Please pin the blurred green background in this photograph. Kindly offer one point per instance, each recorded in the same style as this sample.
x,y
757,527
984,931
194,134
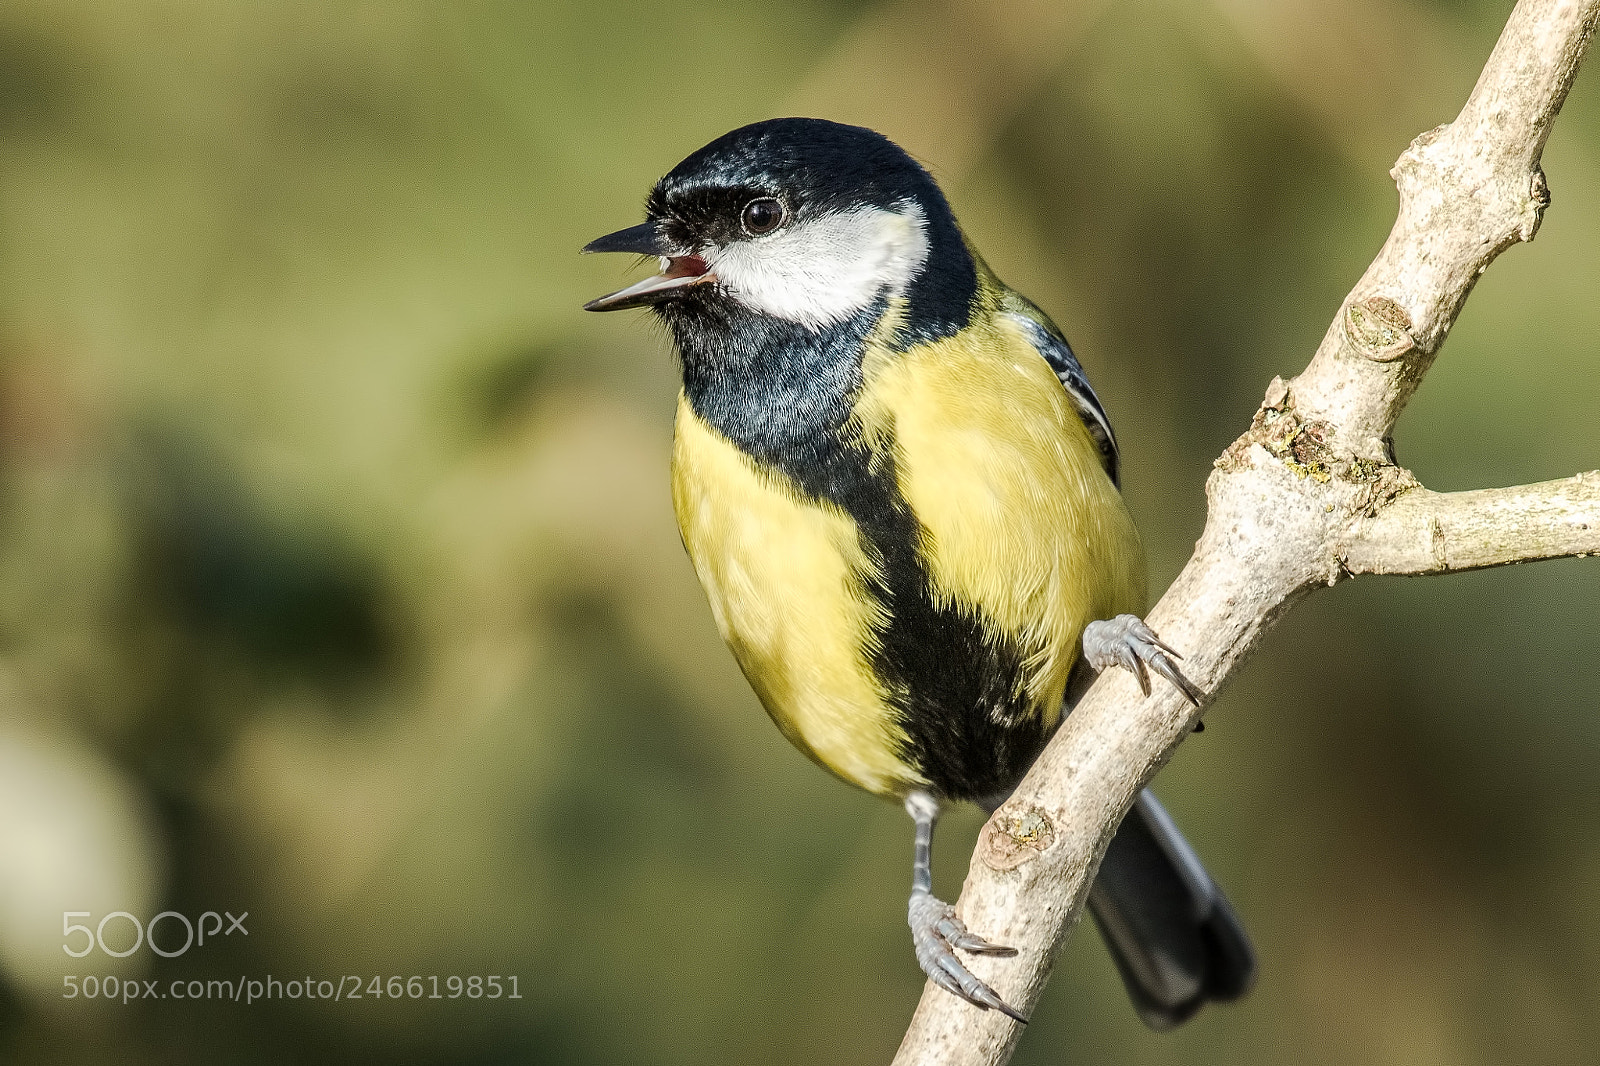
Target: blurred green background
x,y
339,584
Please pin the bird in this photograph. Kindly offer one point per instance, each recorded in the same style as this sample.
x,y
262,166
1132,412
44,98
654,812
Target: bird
x,y
902,498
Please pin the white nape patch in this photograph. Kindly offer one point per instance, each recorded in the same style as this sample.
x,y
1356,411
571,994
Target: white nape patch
x,y
823,270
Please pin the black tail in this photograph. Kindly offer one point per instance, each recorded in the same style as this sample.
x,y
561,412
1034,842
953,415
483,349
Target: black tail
x,y
1170,929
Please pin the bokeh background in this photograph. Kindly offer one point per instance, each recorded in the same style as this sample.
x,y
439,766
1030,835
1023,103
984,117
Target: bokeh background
x,y
339,584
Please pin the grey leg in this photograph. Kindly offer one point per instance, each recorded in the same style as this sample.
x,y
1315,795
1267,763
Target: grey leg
x,y
935,929
1126,641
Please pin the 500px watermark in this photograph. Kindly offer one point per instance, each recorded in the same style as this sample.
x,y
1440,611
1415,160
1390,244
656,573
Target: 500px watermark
x,y
252,989
194,932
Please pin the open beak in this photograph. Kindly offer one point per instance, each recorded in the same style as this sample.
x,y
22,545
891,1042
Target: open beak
x,y
677,271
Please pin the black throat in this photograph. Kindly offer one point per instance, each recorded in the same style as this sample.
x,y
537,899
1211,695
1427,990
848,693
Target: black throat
x,y
779,390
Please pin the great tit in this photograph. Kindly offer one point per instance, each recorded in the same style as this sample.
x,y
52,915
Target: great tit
x,y
901,496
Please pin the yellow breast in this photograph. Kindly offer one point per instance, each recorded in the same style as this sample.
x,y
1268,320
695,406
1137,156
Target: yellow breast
x,y
1019,524
784,577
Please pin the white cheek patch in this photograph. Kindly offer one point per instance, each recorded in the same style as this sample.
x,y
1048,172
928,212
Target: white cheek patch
x,y
822,271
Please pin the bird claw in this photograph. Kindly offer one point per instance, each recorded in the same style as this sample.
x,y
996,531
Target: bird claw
x,y
937,933
1127,642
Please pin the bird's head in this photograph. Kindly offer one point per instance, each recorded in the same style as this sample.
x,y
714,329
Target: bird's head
x,y
797,219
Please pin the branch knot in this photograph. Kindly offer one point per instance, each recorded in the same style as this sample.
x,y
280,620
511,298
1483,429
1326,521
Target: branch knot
x,y
1533,208
1378,328
1014,837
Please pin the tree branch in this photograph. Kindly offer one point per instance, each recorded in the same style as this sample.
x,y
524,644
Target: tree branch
x,y
1426,532
1468,191
1306,497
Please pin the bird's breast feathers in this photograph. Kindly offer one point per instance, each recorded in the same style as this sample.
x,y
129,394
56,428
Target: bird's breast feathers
x,y
1017,529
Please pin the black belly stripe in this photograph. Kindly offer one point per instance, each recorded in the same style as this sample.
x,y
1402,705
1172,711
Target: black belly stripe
x,y
957,683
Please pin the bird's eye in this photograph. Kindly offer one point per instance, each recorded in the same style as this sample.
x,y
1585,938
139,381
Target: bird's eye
x,y
762,216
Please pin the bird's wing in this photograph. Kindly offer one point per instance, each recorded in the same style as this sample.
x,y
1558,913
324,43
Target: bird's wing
x,y
1049,343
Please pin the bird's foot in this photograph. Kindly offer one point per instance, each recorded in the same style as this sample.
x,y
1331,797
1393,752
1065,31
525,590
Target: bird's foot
x,y
1126,641
937,932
